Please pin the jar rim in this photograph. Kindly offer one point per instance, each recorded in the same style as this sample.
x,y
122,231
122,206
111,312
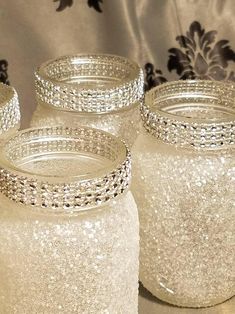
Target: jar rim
x,y
9,108
125,88
184,113
64,192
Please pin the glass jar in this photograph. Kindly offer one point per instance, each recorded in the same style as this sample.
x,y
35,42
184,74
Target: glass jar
x,y
183,183
68,224
9,111
101,91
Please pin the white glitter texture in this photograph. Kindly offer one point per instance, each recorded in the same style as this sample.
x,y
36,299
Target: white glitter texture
x,y
124,123
69,231
84,263
187,217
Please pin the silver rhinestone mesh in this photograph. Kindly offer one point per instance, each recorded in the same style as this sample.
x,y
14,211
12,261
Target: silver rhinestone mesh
x,y
184,127
9,108
125,87
63,193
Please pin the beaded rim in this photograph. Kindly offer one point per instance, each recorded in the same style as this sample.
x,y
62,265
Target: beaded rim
x,y
187,131
126,90
9,108
64,193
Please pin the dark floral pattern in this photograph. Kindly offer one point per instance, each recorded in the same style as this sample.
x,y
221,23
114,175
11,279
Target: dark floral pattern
x,y
68,3
201,56
63,4
153,77
3,72
95,4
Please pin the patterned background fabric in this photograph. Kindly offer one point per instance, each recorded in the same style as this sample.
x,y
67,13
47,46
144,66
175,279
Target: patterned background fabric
x,y
170,39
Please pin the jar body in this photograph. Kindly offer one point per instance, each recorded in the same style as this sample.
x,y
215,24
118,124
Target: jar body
x,y
187,221
83,263
124,123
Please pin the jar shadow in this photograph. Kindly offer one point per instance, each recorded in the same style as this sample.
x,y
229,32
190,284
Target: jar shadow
x,y
149,304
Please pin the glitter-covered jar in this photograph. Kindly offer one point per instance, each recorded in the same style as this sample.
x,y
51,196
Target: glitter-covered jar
x,y
184,184
9,111
101,91
68,224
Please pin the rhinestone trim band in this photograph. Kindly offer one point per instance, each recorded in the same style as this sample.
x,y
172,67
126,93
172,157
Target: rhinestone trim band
x,y
163,113
64,193
125,83
9,108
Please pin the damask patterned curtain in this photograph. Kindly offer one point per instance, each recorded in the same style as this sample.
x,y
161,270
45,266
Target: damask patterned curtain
x,y
170,39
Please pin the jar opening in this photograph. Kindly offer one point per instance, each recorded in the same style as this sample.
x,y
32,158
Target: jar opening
x,y
89,83
198,114
93,71
64,168
63,164
199,111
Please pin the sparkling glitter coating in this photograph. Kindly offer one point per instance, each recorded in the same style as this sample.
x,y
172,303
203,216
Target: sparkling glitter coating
x,y
9,110
69,244
123,123
184,183
87,263
187,222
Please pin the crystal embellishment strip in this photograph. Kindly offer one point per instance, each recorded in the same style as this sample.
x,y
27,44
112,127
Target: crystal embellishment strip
x,y
196,131
64,193
9,108
125,87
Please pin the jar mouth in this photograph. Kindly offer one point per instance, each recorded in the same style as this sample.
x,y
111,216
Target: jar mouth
x,y
89,83
193,113
61,168
9,109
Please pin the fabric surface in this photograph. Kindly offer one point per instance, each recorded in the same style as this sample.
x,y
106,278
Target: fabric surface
x,y
170,39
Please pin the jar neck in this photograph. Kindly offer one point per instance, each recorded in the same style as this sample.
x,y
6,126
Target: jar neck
x,y
90,83
53,168
9,110
196,114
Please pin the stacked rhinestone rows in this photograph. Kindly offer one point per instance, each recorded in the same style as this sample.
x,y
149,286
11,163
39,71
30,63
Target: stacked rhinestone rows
x,y
9,108
125,89
198,91
189,132
56,195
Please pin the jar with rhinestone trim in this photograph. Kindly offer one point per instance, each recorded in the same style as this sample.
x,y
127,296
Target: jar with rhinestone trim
x,y
183,183
101,91
9,112
68,223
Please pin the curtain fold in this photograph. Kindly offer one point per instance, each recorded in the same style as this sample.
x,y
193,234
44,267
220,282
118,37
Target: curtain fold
x,y
170,39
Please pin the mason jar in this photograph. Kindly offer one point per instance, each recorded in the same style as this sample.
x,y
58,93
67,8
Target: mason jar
x,y
68,223
9,111
101,91
184,183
